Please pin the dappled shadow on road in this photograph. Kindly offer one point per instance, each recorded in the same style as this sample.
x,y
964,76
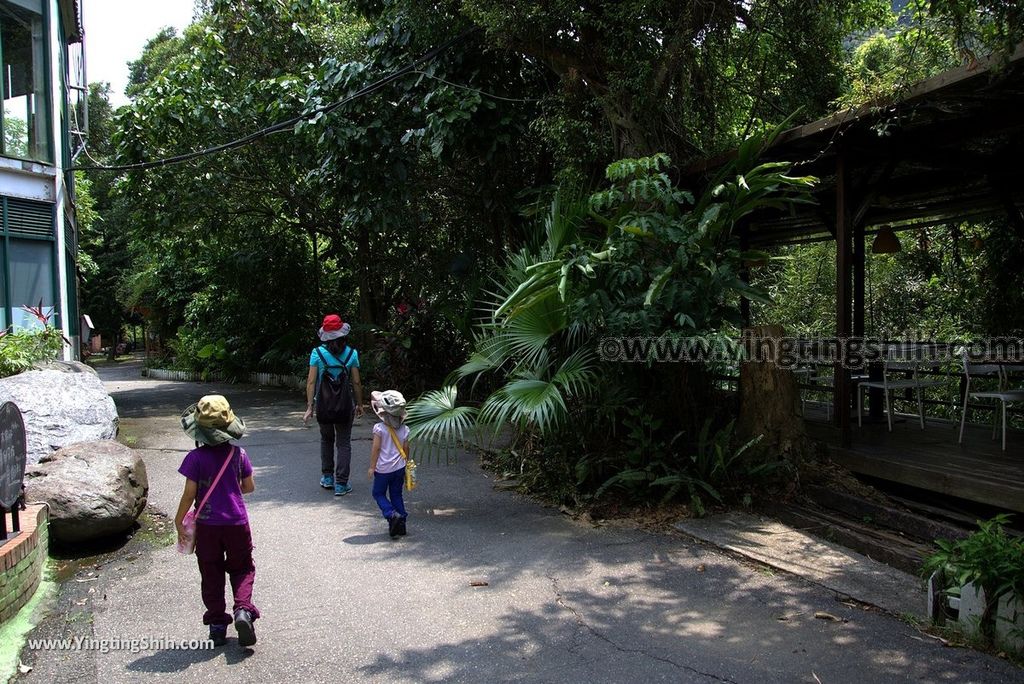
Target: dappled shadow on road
x,y
668,622
563,601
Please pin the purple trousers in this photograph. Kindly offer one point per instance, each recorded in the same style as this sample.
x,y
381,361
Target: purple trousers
x,y
225,550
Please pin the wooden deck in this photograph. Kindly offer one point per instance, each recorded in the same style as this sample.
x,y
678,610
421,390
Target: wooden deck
x,y
932,460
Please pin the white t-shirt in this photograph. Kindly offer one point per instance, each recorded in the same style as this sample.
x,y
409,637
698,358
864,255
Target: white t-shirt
x,y
390,458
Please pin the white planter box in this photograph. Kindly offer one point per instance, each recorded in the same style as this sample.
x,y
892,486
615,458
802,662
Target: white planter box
x,y
972,607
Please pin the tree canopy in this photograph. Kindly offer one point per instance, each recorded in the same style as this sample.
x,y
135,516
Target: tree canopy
x,y
420,208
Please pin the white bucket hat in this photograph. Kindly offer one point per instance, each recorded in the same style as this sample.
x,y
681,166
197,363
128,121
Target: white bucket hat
x,y
389,406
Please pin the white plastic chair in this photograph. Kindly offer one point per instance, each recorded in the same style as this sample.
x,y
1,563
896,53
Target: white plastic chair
x,y
1003,395
887,386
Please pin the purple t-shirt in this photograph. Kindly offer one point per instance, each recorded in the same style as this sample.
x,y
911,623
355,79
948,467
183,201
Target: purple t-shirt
x,y
225,506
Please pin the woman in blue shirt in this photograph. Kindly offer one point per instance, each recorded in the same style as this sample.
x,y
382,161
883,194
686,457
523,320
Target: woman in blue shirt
x,y
334,356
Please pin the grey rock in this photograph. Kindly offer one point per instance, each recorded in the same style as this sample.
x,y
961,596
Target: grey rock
x,y
65,367
60,408
93,489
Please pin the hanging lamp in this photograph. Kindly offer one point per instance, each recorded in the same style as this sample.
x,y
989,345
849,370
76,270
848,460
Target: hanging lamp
x,y
886,241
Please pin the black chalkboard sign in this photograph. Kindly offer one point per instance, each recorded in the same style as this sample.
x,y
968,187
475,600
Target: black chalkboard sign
x,y
12,454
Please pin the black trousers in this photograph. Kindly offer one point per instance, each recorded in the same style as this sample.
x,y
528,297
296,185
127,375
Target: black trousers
x,y
336,436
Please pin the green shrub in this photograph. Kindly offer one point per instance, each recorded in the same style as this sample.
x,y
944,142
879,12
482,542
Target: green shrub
x,y
699,472
20,349
990,557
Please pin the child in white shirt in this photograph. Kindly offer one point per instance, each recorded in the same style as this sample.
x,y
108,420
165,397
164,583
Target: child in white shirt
x,y
388,458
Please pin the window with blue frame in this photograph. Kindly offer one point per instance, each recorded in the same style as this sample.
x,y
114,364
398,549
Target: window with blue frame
x,y
25,117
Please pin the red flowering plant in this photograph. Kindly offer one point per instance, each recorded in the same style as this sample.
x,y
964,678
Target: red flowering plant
x,y
22,348
415,344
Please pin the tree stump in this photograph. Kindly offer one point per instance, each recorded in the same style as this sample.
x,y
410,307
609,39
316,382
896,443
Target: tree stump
x,y
770,398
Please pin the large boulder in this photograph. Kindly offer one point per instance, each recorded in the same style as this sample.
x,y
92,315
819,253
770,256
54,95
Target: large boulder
x,y
94,489
65,367
60,407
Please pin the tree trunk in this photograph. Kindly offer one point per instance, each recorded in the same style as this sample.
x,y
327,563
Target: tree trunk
x,y
770,398
367,307
115,340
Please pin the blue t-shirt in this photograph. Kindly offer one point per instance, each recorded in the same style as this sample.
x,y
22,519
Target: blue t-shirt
x,y
314,360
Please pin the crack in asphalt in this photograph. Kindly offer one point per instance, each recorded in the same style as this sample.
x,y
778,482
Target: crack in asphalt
x,y
560,600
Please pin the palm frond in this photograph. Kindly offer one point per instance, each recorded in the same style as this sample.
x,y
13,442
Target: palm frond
x,y
529,331
491,352
577,374
563,221
436,423
530,402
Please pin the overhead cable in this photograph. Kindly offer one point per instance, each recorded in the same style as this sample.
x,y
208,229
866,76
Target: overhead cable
x,y
412,67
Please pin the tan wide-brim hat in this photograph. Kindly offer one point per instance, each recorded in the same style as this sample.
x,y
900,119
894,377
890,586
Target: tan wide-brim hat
x,y
211,421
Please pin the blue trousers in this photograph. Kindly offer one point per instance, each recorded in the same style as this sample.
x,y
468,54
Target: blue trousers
x,y
387,492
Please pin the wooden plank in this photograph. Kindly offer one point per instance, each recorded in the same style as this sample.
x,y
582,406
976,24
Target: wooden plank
x,y
967,467
977,470
911,524
992,492
998,492
902,555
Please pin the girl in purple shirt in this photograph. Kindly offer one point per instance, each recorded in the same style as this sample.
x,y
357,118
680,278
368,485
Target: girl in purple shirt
x,y
223,539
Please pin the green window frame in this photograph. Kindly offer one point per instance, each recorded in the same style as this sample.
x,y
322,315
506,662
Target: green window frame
x,y
71,275
26,225
36,142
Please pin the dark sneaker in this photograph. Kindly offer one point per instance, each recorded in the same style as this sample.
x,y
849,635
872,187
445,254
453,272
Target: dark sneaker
x,y
400,527
244,627
326,481
341,489
219,634
393,522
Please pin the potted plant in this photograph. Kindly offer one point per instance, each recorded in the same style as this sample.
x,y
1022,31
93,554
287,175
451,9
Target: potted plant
x,y
982,578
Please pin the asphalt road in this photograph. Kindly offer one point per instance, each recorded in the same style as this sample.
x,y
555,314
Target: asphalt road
x,y
564,601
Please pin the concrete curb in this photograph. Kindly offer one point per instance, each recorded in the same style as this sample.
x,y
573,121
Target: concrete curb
x,y
826,564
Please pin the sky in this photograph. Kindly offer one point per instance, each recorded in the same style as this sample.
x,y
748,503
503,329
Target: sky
x,y
117,30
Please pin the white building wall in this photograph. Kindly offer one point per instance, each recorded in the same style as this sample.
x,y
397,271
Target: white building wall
x,y
47,183
61,191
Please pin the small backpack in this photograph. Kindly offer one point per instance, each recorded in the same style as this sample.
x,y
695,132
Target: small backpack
x,y
334,402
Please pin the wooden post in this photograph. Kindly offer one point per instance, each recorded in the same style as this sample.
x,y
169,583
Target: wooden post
x,y
844,316
859,263
859,259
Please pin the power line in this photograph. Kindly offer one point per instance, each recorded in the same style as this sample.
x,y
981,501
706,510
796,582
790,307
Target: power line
x,y
477,90
283,125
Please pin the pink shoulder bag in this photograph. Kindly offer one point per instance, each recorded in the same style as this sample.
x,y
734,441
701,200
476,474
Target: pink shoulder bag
x,y
187,543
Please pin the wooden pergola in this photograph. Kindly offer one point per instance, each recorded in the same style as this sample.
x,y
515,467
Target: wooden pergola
x,y
948,150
